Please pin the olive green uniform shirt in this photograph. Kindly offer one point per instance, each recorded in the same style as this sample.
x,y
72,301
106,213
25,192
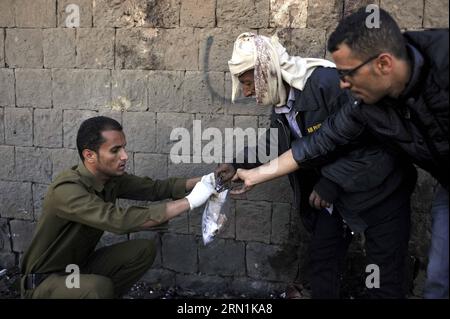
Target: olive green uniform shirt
x,y
78,208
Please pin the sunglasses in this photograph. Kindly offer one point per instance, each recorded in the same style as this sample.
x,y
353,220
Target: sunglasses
x,y
351,72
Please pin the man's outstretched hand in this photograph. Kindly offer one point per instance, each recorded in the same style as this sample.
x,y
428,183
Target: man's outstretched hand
x,y
242,176
225,172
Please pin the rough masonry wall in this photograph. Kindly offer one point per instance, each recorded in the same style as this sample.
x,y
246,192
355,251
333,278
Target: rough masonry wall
x,y
154,65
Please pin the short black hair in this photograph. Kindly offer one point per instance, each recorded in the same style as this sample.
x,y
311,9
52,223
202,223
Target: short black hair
x,y
89,134
366,42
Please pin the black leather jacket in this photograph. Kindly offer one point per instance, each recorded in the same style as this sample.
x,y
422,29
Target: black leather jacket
x,y
357,177
415,124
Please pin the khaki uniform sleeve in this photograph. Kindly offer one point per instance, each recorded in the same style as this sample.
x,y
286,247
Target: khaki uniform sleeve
x,y
144,188
74,202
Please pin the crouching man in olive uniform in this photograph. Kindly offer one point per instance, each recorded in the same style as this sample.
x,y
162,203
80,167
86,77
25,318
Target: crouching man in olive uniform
x,y
80,205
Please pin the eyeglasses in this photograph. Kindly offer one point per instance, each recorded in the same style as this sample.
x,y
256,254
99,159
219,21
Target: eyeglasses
x,y
351,72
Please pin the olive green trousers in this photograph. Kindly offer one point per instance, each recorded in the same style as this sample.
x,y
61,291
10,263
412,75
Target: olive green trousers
x,y
109,272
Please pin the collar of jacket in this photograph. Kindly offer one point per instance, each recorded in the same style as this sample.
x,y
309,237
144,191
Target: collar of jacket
x,y
302,105
89,179
416,61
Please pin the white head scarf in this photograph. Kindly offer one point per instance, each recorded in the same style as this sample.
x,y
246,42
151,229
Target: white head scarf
x,y
272,65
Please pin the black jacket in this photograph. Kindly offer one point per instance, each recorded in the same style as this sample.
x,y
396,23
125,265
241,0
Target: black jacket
x,y
354,179
415,124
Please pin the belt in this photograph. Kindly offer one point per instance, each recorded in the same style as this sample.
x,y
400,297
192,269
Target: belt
x,y
32,281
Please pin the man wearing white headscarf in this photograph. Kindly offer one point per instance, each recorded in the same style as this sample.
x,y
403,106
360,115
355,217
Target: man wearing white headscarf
x,y
272,66
363,189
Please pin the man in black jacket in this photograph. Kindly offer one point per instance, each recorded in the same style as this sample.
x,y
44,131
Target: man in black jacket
x,y
401,86
367,187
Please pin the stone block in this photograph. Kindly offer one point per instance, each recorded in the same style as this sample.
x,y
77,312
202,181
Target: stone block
x,y
22,232
137,13
179,253
165,91
129,90
65,18
7,16
245,13
151,165
140,131
203,92
324,14
62,159
242,105
156,49
23,48
5,236
253,221
19,126
179,224
436,14
306,43
191,168
278,190
119,14
216,47
407,14
351,6
7,260
71,123
16,200
198,13
48,128
62,39
222,257
159,278
33,164
163,13
166,123
95,48
35,13
7,169
7,94
81,89
288,14
207,286
267,262
281,213
34,88
39,192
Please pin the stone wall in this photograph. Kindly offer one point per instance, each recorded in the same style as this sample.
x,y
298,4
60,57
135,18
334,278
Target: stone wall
x,y
154,65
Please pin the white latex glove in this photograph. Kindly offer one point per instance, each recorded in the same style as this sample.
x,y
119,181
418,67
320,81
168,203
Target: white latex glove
x,y
209,180
199,194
